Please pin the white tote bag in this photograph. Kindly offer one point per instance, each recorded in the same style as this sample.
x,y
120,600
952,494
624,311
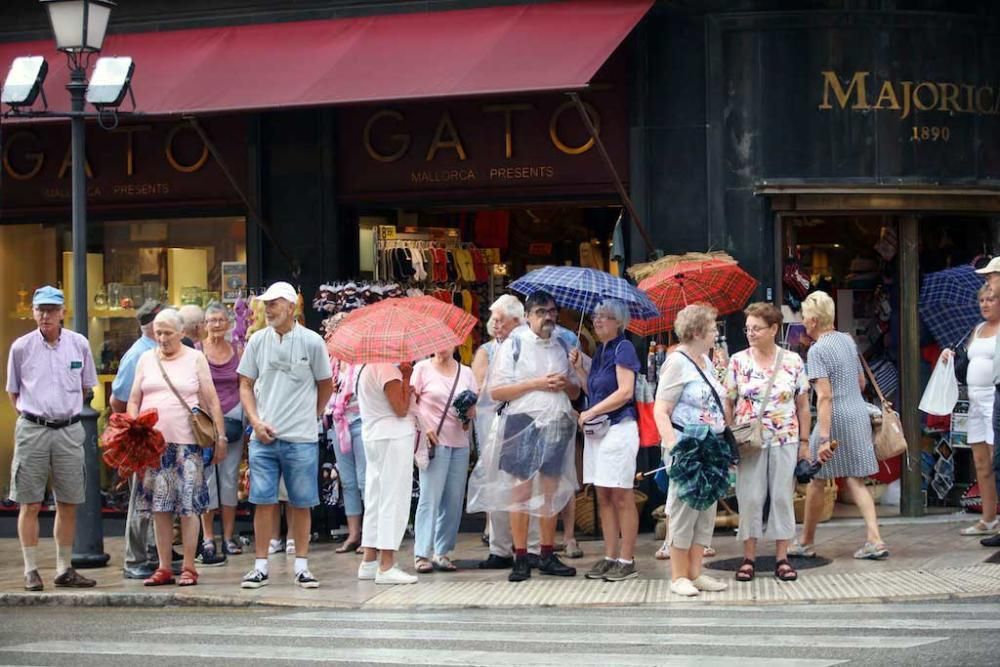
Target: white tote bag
x,y
941,393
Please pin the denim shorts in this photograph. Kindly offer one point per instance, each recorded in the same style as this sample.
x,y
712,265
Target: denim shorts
x,y
528,448
296,462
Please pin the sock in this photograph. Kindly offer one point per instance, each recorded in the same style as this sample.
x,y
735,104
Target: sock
x,y
625,562
260,564
301,564
29,558
64,556
520,553
610,560
548,550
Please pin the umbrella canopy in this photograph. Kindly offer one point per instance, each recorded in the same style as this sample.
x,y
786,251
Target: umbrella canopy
x,y
392,332
456,319
948,303
582,289
700,467
720,283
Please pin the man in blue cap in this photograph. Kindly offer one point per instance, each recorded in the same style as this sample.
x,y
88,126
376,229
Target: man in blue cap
x,y
48,372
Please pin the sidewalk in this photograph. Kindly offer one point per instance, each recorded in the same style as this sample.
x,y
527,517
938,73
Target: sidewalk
x,y
929,560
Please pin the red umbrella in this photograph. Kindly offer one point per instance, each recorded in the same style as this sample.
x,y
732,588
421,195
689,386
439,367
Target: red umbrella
x,y
459,321
720,283
390,332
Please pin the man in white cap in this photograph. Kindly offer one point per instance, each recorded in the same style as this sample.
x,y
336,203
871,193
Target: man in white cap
x,y
992,273
285,384
48,372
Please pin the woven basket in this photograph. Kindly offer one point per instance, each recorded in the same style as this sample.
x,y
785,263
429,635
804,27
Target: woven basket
x,y
829,498
588,520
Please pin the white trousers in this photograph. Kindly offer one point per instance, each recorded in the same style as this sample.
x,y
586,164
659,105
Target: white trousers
x,y
388,488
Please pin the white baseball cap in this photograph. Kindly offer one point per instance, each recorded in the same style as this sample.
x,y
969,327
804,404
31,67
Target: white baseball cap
x,y
279,290
992,267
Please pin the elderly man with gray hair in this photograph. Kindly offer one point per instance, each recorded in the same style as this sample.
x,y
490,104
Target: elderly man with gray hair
x,y
193,318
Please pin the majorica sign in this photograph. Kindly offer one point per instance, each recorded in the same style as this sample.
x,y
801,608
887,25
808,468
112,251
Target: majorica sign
x,y
864,92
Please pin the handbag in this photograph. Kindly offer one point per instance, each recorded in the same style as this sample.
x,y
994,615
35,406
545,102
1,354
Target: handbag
x,y
424,443
202,425
727,433
887,435
751,434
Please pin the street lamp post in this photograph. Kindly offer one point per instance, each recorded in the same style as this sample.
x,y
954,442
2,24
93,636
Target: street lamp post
x,y
79,27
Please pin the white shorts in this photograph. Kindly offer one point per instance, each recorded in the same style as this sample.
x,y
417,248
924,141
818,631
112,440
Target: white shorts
x,y
980,415
610,461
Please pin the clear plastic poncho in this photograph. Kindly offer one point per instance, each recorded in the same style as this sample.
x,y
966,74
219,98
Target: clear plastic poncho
x,y
527,457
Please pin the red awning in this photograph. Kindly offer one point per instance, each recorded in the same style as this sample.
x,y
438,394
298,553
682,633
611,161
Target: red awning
x,y
537,47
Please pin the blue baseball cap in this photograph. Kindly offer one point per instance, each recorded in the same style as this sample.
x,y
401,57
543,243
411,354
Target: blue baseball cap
x,y
48,295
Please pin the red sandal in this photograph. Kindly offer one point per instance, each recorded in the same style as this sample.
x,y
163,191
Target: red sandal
x,y
746,571
162,577
189,577
784,571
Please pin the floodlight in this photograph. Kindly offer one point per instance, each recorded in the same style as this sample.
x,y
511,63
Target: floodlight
x,y
24,81
110,81
79,25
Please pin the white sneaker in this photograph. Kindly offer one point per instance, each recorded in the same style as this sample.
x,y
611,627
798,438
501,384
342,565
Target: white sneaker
x,y
275,546
290,547
367,570
683,586
394,576
707,583
983,528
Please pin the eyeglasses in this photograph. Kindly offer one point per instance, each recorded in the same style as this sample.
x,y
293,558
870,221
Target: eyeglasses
x,y
603,317
542,312
215,321
754,330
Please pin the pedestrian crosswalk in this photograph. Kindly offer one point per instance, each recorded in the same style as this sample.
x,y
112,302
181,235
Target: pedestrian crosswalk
x,y
671,635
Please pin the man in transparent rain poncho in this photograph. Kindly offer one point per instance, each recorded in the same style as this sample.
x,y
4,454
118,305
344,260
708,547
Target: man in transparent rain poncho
x,y
528,468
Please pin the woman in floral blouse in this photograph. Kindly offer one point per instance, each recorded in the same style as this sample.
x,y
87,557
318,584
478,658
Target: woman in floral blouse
x,y
785,435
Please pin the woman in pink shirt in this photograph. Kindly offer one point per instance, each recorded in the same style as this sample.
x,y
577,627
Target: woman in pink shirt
x,y
178,485
436,382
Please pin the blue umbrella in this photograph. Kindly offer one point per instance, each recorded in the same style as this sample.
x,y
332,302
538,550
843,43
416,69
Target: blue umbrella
x,y
581,289
948,303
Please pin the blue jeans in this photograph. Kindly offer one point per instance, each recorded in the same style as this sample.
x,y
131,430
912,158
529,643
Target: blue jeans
x,y
439,511
351,467
296,462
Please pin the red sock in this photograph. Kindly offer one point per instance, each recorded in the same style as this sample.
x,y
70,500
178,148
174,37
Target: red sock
x,y
548,550
520,553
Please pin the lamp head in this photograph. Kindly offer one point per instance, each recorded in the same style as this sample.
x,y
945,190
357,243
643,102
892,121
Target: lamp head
x,y
79,26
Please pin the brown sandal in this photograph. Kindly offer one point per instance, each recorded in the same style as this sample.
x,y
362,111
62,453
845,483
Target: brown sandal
x,y
784,571
348,547
746,571
189,577
423,566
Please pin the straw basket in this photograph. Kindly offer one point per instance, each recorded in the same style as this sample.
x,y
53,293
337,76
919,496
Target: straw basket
x,y
829,498
726,516
588,520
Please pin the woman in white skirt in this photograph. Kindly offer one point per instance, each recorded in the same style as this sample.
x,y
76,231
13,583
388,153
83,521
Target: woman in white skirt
x,y
611,438
388,434
980,347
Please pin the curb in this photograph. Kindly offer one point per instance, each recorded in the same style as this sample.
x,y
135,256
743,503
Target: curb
x,y
146,600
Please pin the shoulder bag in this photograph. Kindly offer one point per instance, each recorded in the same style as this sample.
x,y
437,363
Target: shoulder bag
x,y
727,434
202,425
423,442
887,434
751,434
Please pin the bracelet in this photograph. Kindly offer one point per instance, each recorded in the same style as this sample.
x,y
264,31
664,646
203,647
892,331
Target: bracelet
x,y
806,440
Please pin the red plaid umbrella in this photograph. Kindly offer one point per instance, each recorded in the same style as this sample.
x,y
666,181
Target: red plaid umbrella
x,y
718,282
390,332
459,321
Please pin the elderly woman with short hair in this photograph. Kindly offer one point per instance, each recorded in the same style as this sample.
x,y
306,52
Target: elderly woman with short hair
x,y
689,394
613,442
841,414
764,376
177,487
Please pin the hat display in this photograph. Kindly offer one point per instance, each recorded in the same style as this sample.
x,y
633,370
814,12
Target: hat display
x,y
992,267
48,295
279,290
148,311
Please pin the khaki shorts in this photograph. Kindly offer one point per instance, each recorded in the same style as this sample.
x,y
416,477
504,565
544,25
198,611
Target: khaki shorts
x,y
39,450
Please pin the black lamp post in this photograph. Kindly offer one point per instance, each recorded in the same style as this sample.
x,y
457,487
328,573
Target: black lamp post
x,y
79,27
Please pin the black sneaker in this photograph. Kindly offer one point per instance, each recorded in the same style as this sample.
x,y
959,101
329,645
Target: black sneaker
x,y
304,579
495,562
992,541
254,579
534,560
551,565
209,557
521,570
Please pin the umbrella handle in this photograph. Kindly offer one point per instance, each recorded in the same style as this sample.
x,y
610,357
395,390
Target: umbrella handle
x,y
639,476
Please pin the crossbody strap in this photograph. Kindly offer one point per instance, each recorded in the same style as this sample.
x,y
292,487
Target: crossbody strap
x,y
451,394
770,385
871,376
170,384
705,378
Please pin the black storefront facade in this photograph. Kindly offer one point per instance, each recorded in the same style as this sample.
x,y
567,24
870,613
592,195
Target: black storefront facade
x,y
754,131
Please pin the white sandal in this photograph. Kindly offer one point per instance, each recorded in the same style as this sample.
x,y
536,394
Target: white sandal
x,y
982,528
